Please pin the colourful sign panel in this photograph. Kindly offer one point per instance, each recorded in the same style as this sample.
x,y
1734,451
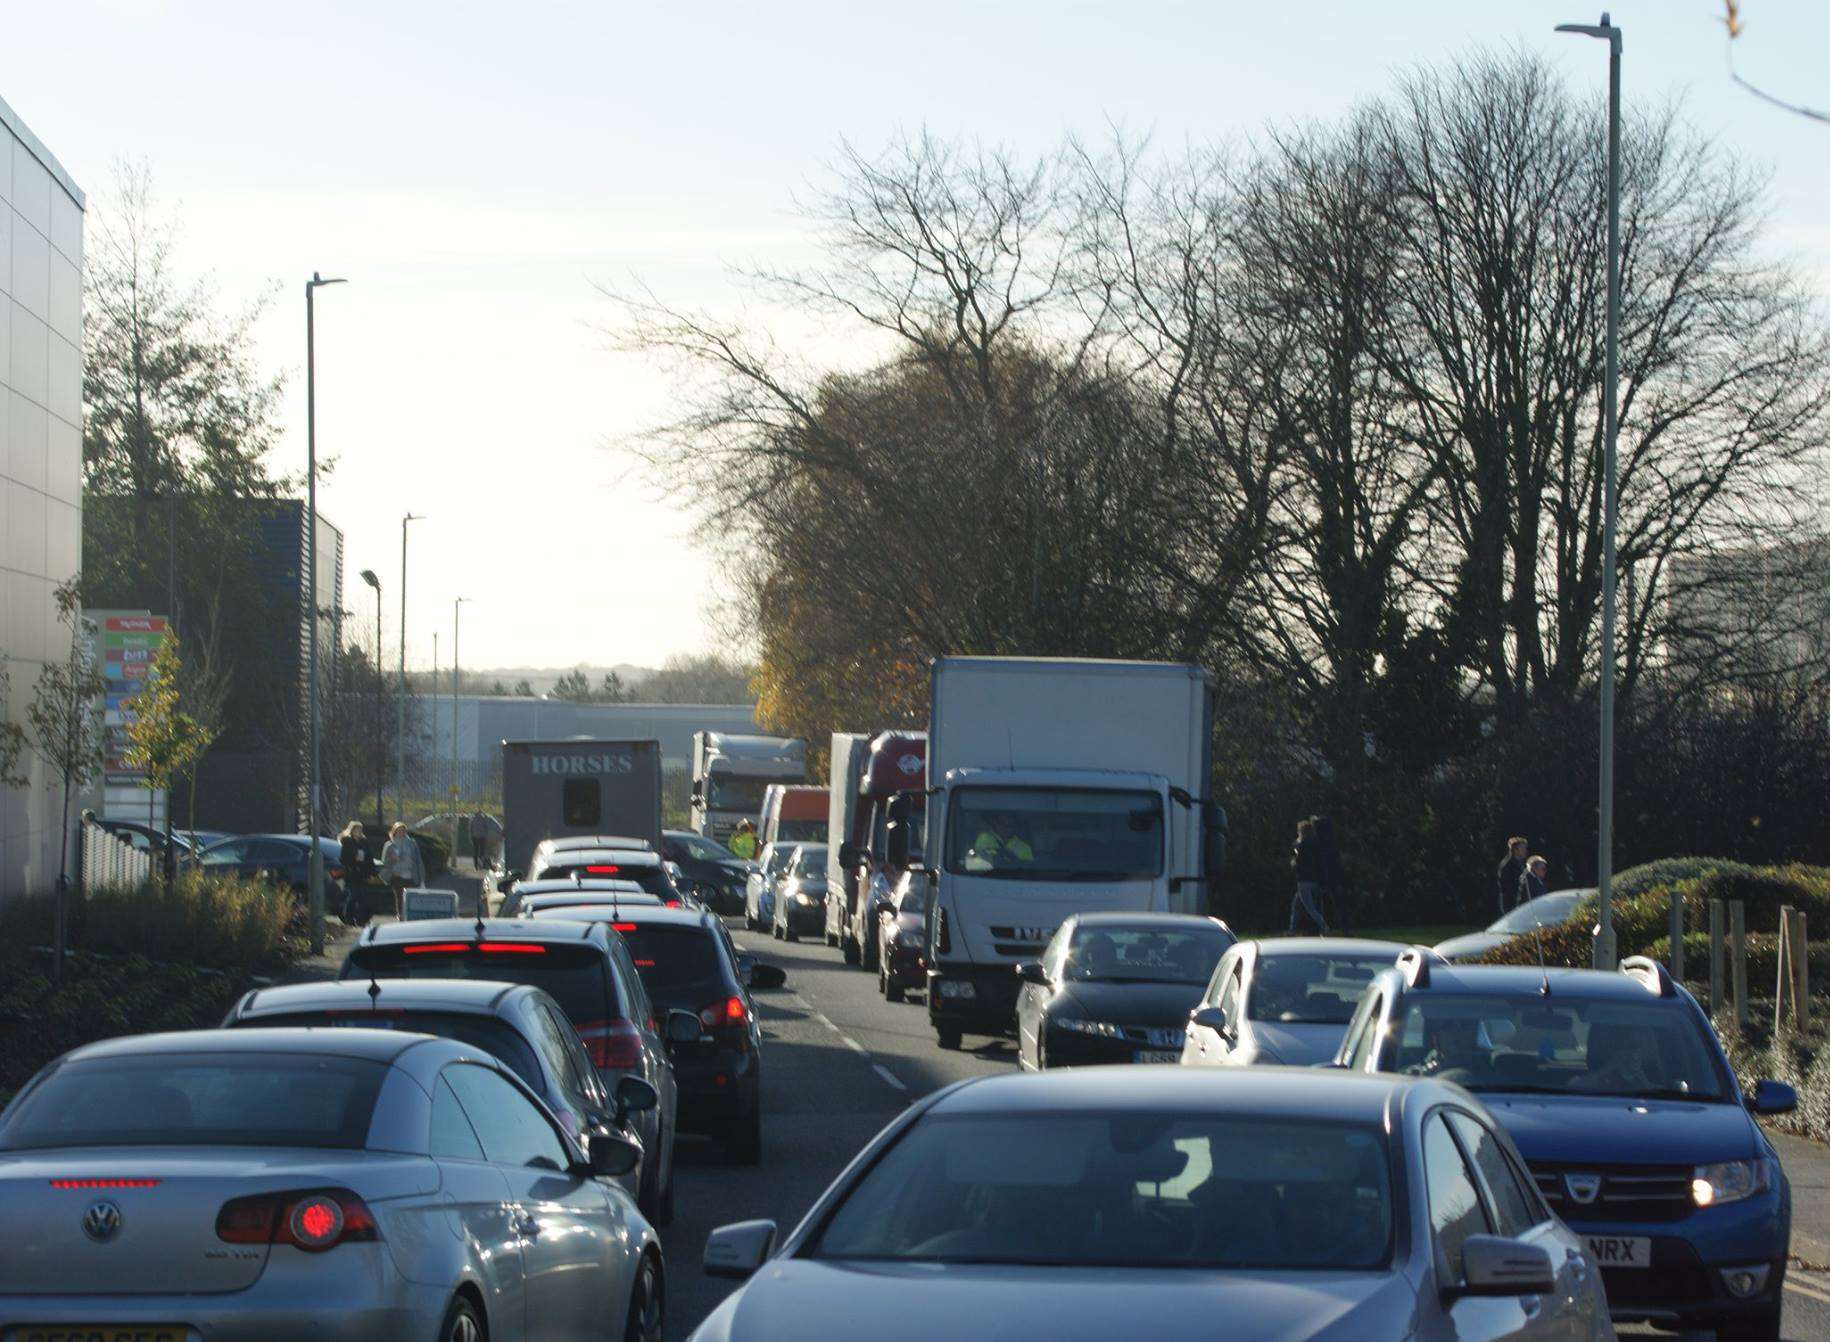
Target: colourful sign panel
x,y
126,645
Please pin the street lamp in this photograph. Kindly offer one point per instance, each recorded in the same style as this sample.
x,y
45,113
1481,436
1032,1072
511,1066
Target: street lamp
x,y
1605,948
315,859
456,610
368,576
400,725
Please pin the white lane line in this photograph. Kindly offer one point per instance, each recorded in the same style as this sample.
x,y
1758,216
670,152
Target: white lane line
x,y
854,1045
1812,1292
823,1021
888,1076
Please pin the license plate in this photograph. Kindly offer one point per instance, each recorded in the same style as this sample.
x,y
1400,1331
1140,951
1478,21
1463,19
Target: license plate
x,y
100,1332
1156,1055
1620,1250
956,988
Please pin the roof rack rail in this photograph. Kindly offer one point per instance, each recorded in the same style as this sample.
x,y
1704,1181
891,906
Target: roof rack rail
x,y
1651,974
1414,963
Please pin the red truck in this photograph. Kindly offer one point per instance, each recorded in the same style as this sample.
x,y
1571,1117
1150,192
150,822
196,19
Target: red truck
x,y
895,764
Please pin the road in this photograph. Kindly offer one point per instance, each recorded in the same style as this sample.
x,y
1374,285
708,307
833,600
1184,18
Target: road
x,y
840,1062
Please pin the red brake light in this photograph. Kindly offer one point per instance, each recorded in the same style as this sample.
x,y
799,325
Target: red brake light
x,y
671,903
439,948
104,1183
509,948
602,869
612,1043
731,1011
622,927
314,1220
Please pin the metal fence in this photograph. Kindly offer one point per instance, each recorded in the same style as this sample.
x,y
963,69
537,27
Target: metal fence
x,y
109,861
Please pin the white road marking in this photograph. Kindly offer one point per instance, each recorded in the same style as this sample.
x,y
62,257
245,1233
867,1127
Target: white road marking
x,y
1813,1291
851,1043
888,1075
854,1045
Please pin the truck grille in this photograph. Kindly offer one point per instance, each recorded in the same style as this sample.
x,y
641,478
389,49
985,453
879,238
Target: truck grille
x,y
1626,1192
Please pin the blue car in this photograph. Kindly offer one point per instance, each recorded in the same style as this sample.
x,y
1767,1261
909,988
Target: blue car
x,y
1617,1093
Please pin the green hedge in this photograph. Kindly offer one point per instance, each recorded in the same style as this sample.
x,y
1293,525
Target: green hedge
x,y
434,850
221,922
1801,1061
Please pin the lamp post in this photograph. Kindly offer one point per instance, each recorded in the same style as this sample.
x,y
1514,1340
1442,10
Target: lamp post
x,y
1605,947
368,576
400,714
314,865
456,610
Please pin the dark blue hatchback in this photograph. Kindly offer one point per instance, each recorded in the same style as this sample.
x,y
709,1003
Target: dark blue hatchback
x,y
1617,1094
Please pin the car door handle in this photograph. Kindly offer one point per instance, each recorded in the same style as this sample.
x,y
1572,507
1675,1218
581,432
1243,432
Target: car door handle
x,y
524,1224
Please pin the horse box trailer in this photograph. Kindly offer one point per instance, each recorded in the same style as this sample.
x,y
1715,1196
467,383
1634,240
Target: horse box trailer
x,y
551,789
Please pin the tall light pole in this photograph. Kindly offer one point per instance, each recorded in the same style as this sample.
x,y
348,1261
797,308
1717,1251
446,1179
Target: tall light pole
x,y
368,576
1605,948
400,713
314,865
456,610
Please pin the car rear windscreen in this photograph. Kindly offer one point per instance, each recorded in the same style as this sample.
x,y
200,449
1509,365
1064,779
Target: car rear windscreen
x,y
166,1099
650,878
489,1033
673,957
575,974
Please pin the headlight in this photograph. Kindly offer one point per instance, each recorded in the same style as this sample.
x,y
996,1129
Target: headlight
x,y
1731,1181
801,897
1099,1029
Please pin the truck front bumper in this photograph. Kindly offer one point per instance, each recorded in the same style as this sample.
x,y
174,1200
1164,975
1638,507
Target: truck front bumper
x,y
974,999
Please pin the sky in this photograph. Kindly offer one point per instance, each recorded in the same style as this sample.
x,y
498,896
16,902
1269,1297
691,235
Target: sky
x,y
479,172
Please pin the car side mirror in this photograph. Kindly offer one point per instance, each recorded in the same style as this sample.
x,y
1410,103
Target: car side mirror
x,y
767,976
896,842
736,1251
634,1096
612,1153
1495,1265
1210,1018
683,1027
1772,1097
1031,971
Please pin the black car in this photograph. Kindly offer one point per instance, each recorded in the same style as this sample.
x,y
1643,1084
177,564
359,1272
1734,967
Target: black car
x,y
710,870
1116,987
689,964
284,858
588,970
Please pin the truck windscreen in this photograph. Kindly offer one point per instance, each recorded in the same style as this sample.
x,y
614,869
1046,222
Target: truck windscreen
x,y
725,793
1055,834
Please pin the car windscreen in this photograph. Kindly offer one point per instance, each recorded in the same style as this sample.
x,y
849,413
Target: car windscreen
x,y
1104,953
1305,989
1545,910
725,793
1649,1050
574,974
1055,834
489,1033
673,957
166,1099
812,861
1122,1190
649,876
794,830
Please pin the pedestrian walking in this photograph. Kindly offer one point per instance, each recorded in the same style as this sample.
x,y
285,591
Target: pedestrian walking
x,y
1306,862
1511,872
743,842
358,869
1531,884
402,867
1328,863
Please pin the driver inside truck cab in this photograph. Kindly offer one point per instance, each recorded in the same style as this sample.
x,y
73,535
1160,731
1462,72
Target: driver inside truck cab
x,y
998,844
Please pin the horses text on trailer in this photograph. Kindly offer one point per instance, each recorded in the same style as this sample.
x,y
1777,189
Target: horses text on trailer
x,y
896,767
551,789
731,772
1058,787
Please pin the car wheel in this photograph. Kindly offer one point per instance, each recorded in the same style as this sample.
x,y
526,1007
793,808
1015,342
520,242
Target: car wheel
x,y
868,954
462,1323
744,1143
1761,1328
892,987
775,930
948,1036
849,949
647,1306
831,940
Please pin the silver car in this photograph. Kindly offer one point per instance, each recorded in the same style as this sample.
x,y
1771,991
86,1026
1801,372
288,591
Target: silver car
x,y
760,885
261,1185
1265,1203
1543,911
1282,1000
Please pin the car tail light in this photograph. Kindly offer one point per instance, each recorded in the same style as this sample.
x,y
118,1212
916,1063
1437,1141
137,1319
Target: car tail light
x,y
104,1183
603,869
439,948
622,927
731,1011
510,948
314,1220
670,903
612,1043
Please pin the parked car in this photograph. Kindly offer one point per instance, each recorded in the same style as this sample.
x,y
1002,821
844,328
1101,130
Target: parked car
x,y
1266,1203
1544,911
761,884
1283,1000
688,963
1115,987
800,899
523,1026
587,969
199,839
304,1184
149,838
1630,1118
714,874
902,961
283,858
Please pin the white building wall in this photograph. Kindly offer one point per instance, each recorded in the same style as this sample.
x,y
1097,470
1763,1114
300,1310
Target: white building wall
x,y
41,340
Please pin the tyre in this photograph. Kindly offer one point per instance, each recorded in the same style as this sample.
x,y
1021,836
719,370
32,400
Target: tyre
x,y
647,1305
831,940
775,930
743,1144
892,990
462,1323
1760,1328
849,949
789,934
949,1036
868,954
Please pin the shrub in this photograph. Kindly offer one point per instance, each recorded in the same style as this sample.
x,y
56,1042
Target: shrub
x,y
1762,961
1801,1061
221,922
435,850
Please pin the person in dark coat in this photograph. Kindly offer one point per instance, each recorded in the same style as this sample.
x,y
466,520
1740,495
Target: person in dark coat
x,y
1512,871
1306,863
1531,884
358,869
1328,861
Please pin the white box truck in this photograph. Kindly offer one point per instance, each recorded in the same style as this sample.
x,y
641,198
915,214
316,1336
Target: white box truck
x,y
551,789
851,752
1056,787
731,772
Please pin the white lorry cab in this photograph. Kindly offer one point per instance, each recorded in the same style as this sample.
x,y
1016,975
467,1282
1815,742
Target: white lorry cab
x,y
1057,787
731,772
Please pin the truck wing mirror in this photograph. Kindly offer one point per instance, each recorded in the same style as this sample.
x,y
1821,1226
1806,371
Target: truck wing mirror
x,y
896,842
850,855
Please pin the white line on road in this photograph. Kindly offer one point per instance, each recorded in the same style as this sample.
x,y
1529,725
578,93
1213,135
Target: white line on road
x,y
851,1044
888,1076
1813,1291
854,1045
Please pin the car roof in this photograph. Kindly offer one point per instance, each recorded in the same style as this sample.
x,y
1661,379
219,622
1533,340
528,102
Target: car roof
x,y
631,857
465,929
652,915
1591,985
1262,1092
565,843
562,899
561,885
476,995
1344,946
375,1045
1166,921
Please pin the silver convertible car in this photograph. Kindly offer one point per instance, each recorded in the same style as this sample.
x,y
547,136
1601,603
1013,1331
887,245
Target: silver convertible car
x,y
248,1185
1267,1203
